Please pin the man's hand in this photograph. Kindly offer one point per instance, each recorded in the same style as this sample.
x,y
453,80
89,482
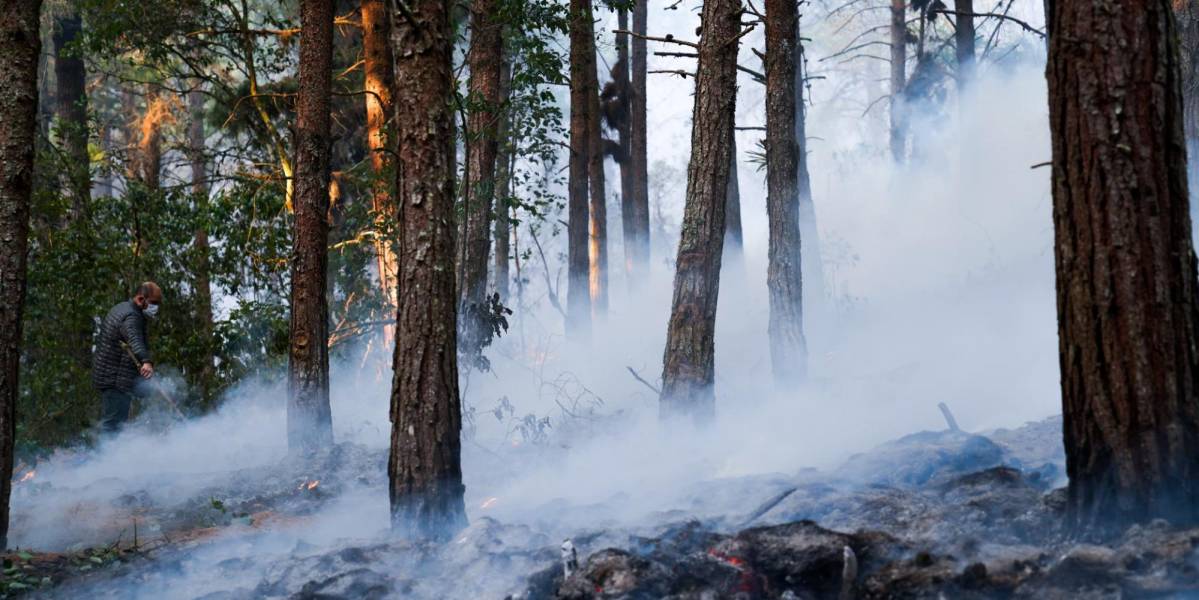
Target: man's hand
x,y
147,370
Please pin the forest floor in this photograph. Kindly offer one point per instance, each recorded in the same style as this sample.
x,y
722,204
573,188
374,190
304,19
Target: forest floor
x,y
932,515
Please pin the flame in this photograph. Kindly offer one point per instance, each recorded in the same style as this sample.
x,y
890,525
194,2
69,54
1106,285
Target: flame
x,y
309,485
27,476
488,503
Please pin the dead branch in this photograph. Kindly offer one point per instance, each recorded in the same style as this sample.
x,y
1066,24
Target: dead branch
x,y
643,381
1000,16
679,72
551,289
759,77
952,422
664,40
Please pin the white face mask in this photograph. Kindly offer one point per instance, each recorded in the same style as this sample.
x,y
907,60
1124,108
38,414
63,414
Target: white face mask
x,y
151,310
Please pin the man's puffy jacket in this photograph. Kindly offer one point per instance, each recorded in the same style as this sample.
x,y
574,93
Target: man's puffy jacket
x,y
112,367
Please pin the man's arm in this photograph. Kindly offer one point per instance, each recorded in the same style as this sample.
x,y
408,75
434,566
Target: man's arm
x,y
134,332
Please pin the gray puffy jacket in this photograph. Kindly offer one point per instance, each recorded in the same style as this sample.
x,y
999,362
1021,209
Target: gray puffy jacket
x,y
112,367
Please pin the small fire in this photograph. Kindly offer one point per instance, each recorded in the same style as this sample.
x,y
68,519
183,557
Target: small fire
x,y
488,503
309,485
27,476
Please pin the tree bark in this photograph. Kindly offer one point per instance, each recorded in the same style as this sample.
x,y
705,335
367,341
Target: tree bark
x,y
485,59
638,158
377,66
309,422
201,282
598,225
1128,312
964,41
628,218
578,296
425,466
734,241
784,279
899,57
1187,17
71,111
503,176
688,370
19,50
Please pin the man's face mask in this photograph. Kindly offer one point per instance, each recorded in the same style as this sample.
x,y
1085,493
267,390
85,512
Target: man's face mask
x,y
151,310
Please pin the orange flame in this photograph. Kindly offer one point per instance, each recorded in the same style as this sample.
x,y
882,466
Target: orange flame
x,y
309,485
27,476
488,503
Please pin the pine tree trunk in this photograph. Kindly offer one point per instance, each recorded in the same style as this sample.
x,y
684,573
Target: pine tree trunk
x,y
201,283
1187,13
578,296
899,58
598,225
19,50
628,220
784,279
425,465
638,158
688,370
1128,311
377,66
309,422
734,241
71,111
964,41
503,176
485,59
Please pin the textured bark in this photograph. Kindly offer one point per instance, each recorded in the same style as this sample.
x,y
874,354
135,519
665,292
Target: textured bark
x,y
19,49
578,296
309,423
201,270
688,372
503,177
486,61
1128,312
899,58
377,65
71,112
628,219
784,279
964,40
425,465
638,158
597,239
734,240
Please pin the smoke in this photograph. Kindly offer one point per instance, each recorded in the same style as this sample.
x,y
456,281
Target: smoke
x,y
940,285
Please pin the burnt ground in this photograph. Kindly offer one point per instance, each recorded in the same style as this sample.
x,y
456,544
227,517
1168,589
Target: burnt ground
x,y
931,515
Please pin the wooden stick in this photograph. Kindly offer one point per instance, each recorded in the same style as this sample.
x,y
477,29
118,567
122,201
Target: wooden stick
x,y
643,381
953,423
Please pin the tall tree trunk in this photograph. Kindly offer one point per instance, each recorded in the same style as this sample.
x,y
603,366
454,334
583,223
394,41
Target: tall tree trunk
x,y
638,158
503,176
71,110
784,279
899,58
598,225
486,61
309,422
628,220
1128,303
19,50
812,264
688,370
964,41
377,65
425,464
578,296
1187,13
734,240
201,283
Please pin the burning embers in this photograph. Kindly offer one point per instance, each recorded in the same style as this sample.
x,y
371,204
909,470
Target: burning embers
x,y
309,485
27,476
488,503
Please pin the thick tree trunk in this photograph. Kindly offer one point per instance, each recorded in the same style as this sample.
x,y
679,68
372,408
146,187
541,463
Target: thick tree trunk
x,y
899,58
578,296
784,279
503,176
377,65
688,370
19,49
1128,311
309,422
734,240
425,463
71,111
813,265
638,158
486,61
598,226
628,220
963,38
201,283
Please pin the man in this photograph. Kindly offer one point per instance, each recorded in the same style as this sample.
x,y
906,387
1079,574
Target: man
x,y
122,355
